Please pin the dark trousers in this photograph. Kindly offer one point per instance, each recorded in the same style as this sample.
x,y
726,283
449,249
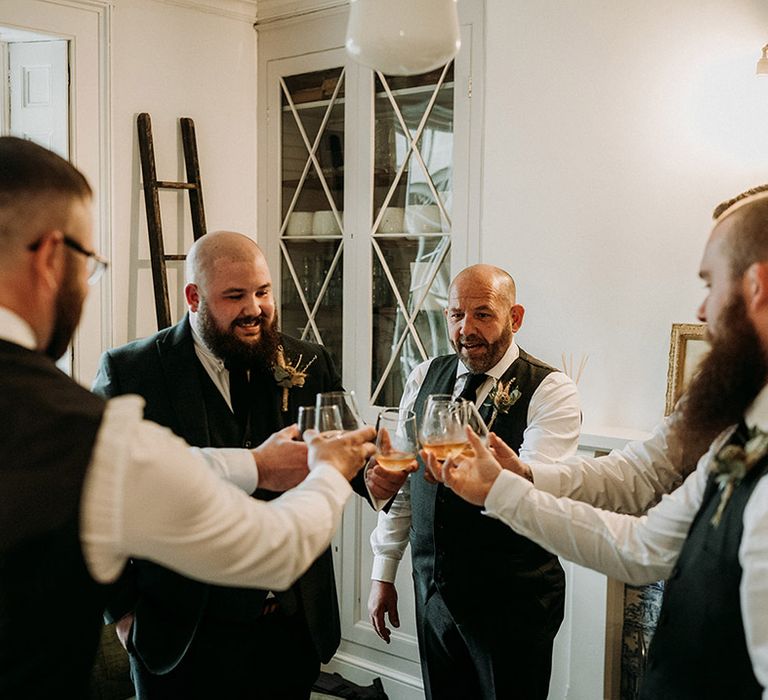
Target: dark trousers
x,y
487,656
272,658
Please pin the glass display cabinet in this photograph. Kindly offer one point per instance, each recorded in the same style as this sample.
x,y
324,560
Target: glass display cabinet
x,y
312,202
410,235
368,203
408,228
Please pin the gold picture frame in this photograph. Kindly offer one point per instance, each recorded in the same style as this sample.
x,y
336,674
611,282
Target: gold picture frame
x,y
687,346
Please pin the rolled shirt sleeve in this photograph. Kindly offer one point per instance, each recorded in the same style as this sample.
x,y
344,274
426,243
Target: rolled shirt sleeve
x,y
147,494
632,549
629,480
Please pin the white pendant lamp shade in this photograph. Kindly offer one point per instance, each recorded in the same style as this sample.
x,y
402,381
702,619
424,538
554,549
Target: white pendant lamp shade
x,y
403,37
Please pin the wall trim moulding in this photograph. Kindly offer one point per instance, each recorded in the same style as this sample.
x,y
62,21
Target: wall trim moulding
x,y
96,5
273,10
244,10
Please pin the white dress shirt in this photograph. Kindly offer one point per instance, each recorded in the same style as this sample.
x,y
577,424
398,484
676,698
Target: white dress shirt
x,y
644,549
213,366
629,480
147,494
552,434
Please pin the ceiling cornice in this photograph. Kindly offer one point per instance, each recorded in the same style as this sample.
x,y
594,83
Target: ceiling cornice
x,y
272,10
244,10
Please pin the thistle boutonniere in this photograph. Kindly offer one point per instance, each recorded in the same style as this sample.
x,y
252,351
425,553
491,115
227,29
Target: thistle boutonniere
x,y
731,465
289,374
503,396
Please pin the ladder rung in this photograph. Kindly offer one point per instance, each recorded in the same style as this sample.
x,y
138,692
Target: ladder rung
x,y
176,185
151,186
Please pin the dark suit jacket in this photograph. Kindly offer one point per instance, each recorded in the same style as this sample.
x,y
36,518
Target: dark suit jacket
x,y
165,371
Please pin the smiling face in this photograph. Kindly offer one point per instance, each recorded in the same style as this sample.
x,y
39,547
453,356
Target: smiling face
x,y
482,316
231,302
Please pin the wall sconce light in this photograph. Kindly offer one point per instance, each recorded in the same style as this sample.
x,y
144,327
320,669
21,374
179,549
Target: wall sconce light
x,y
403,37
762,64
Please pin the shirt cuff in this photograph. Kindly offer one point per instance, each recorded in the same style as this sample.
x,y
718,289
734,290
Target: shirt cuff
x,y
384,569
232,464
376,503
505,494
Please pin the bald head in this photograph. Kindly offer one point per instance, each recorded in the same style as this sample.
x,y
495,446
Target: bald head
x,y
483,315
487,277
213,249
229,296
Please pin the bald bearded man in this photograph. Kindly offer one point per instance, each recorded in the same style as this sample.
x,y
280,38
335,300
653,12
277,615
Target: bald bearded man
x,y
488,602
210,378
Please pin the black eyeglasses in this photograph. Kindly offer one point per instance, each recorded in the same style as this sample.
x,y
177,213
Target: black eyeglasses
x,y
96,263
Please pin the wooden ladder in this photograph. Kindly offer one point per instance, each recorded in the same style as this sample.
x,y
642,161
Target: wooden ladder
x,y
152,202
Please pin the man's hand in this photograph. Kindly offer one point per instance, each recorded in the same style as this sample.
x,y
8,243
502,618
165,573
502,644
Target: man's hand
x,y
383,599
471,477
123,629
385,483
508,458
281,460
346,452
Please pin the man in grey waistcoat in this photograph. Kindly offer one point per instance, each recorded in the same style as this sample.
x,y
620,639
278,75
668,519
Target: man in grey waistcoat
x,y
488,602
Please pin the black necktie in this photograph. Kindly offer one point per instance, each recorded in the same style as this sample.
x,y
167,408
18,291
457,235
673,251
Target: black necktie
x,y
239,392
469,392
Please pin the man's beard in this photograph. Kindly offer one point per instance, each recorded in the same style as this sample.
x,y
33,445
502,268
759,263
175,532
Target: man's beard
x,y
69,307
228,347
493,352
727,380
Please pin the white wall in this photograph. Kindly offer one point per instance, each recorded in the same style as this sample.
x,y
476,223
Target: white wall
x,y
611,131
174,59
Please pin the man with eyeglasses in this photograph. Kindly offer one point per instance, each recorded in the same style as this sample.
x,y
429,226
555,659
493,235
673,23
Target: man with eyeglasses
x,y
85,484
95,263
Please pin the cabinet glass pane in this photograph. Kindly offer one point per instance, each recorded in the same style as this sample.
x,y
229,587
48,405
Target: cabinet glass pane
x,y
312,196
314,293
410,231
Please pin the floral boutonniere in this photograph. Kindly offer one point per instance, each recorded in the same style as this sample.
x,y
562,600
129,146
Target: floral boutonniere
x,y
732,463
502,398
289,374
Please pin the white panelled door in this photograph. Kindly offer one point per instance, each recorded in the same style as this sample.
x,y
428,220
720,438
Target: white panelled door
x,y
39,90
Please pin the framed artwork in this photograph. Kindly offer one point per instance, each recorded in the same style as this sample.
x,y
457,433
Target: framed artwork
x,y
687,346
641,604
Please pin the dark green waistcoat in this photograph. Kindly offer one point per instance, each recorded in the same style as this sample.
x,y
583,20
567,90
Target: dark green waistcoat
x,y
466,555
50,607
699,650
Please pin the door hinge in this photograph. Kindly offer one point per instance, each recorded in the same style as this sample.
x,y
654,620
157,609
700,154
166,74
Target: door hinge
x,y
469,87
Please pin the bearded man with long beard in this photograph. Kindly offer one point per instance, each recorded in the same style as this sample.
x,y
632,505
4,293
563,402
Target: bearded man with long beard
x,y
709,538
211,379
464,564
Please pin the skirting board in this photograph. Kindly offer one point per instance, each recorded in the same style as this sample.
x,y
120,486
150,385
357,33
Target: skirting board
x,y
398,686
